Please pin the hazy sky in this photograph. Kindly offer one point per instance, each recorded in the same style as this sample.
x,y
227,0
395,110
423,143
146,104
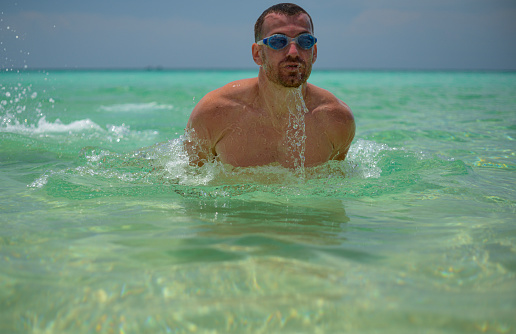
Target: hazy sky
x,y
353,34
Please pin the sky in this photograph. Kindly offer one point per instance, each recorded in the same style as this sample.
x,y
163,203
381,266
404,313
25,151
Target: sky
x,y
202,34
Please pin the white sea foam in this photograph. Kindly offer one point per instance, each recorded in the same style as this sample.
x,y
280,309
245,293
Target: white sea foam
x,y
112,133
44,126
82,175
136,107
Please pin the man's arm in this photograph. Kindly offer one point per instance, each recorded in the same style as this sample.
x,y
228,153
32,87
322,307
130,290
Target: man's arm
x,y
198,143
342,129
207,125
198,149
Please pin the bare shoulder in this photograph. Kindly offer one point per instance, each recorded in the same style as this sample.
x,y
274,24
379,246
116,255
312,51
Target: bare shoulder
x,y
336,119
219,107
328,107
221,103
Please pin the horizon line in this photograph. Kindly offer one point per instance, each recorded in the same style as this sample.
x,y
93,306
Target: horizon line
x,y
242,69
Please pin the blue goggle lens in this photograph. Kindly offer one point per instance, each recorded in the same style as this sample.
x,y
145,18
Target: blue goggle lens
x,y
278,42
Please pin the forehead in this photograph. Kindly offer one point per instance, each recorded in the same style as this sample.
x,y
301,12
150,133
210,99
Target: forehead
x,y
294,25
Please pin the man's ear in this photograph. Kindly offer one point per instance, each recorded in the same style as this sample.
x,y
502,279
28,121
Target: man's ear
x,y
314,58
256,54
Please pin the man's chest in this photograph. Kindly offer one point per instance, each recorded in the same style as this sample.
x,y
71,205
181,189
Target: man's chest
x,y
254,144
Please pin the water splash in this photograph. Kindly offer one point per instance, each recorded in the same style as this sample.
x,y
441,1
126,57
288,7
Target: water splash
x,y
365,155
19,104
12,45
296,131
165,167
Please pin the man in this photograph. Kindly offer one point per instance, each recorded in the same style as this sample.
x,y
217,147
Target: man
x,y
276,118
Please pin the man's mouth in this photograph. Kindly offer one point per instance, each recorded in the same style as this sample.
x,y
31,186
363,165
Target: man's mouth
x,y
292,66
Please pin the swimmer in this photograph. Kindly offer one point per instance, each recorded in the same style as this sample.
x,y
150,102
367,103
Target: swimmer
x,y
248,122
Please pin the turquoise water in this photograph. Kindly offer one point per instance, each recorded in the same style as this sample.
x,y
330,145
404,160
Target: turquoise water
x,y
104,228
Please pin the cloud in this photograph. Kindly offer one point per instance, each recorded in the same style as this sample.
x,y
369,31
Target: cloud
x,y
352,34
424,38
99,40
381,21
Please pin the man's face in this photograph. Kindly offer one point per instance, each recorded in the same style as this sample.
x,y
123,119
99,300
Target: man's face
x,y
292,65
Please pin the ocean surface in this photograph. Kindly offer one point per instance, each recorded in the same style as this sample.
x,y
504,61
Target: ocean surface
x,y
105,228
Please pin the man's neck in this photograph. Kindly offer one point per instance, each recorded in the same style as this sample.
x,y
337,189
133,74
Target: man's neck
x,y
280,101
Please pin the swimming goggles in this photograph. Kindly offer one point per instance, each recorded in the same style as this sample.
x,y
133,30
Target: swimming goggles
x,y
280,41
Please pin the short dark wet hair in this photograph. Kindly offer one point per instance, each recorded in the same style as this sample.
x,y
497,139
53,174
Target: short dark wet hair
x,y
287,9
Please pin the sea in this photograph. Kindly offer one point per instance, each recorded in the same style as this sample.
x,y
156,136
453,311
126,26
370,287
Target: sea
x,y
106,228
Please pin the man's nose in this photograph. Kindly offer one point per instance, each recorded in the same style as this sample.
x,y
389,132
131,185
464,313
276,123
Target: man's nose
x,y
292,48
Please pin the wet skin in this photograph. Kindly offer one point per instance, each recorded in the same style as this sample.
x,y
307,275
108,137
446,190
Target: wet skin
x,y
249,122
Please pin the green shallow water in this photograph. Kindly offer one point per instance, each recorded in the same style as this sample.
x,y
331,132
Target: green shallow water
x,y
104,228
